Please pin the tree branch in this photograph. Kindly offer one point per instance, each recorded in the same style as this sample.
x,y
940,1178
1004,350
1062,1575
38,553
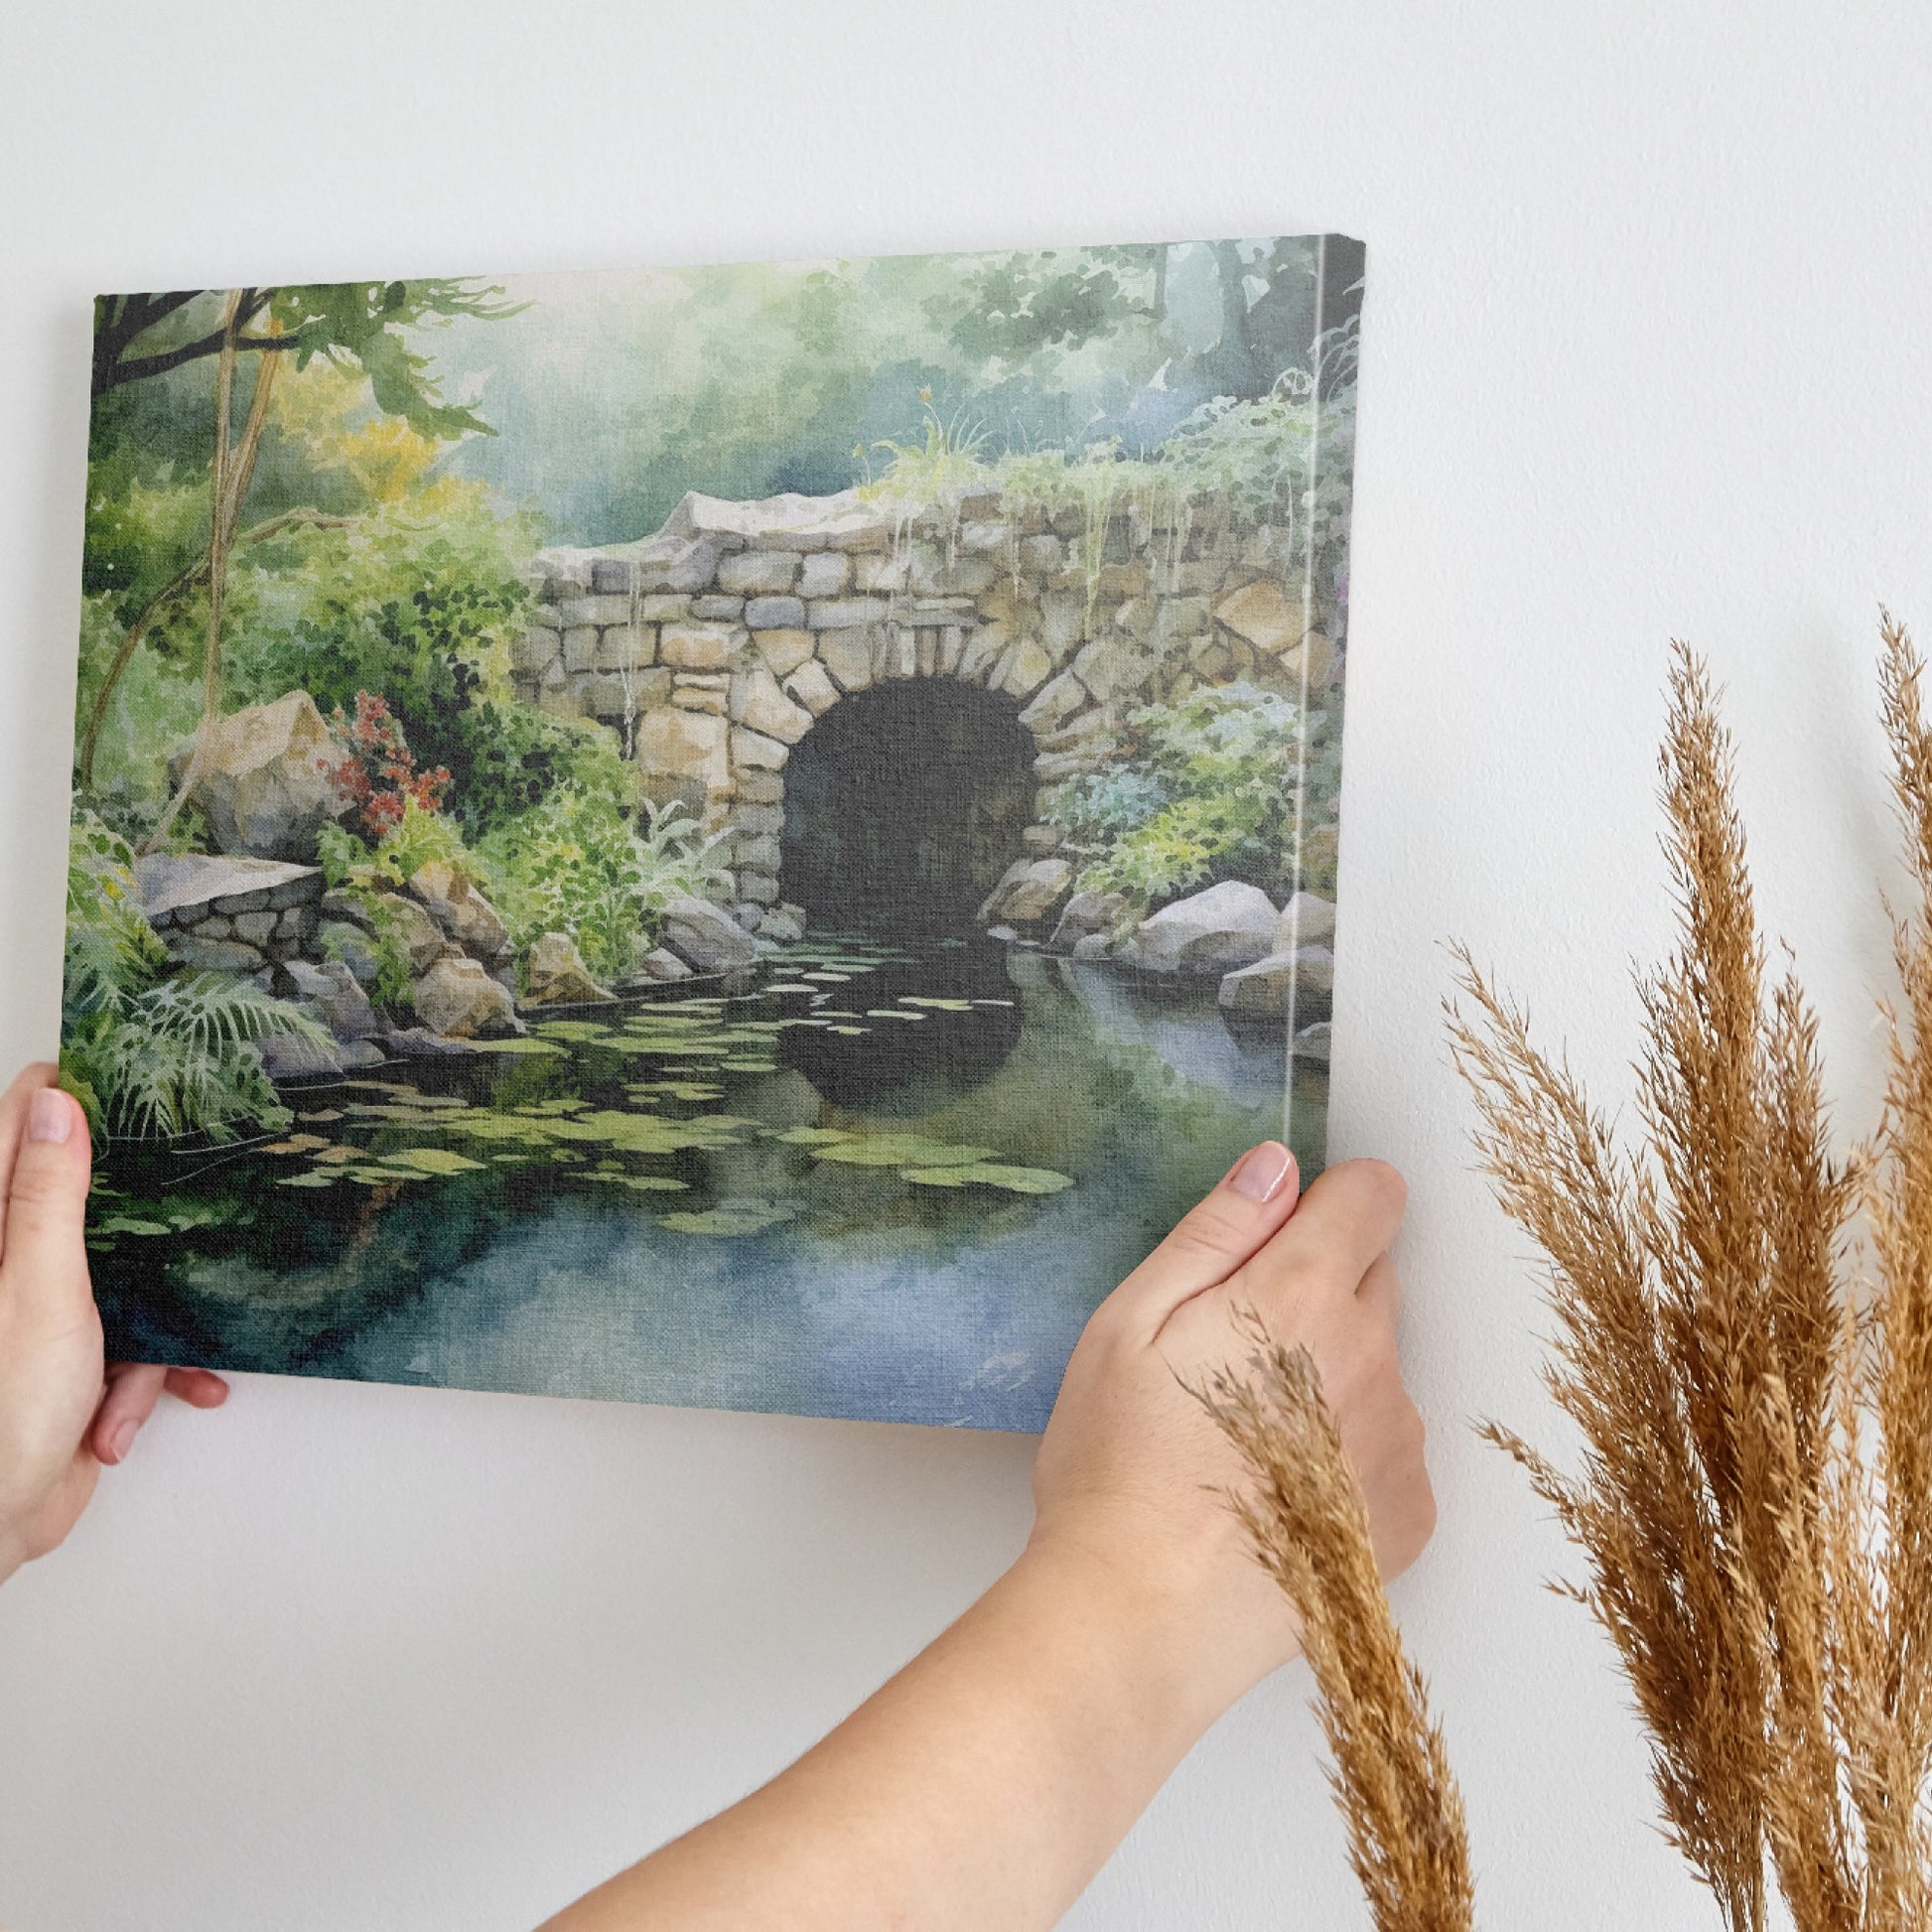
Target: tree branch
x,y
116,373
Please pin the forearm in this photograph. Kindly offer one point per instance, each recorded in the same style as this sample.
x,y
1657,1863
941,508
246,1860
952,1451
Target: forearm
x,y
984,1785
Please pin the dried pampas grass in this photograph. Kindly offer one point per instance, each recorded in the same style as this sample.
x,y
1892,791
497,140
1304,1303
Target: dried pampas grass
x,y
1308,1525
1754,1498
1754,1390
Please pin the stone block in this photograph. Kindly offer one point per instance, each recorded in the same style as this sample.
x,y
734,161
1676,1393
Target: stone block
x,y
762,889
754,751
606,697
825,573
847,655
698,646
717,610
1039,556
531,652
759,853
988,537
759,573
1056,702
881,573
695,567
1024,669
612,575
216,955
1062,622
257,929
784,650
701,697
812,687
662,607
622,648
596,611
758,701
760,787
845,612
759,819
1113,666
580,648
775,613
681,751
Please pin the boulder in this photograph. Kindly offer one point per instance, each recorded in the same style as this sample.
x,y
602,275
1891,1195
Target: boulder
x,y
682,754
459,1000
706,936
462,914
1030,892
654,969
1304,980
286,1058
1087,915
1311,1043
338,1001
1306,920
1212,931
555,974
266,780
1093,946
781,924
351,944
419,1044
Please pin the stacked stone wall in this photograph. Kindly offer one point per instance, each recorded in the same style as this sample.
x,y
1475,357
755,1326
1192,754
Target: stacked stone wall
x,y
713,646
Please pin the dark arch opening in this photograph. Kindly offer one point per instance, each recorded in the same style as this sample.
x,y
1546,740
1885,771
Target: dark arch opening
x,y
903,805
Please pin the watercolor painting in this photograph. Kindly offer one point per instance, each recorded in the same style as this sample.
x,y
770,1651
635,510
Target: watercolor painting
x,y
744,836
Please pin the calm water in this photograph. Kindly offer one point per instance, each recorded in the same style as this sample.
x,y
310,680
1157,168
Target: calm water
x,y
885,1179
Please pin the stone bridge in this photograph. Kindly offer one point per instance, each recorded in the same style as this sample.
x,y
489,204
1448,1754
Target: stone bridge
x,y
713,648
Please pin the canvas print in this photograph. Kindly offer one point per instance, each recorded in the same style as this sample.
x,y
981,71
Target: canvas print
x,y
745,836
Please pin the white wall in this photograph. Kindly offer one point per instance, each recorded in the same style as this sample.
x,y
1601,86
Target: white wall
x,y
1645,353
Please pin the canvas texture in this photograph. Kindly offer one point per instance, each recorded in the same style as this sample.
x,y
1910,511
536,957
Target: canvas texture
x,y
742,836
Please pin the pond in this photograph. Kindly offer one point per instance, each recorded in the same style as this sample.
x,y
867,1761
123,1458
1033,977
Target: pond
x,y
879,1178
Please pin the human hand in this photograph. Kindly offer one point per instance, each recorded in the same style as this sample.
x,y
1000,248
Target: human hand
x,y
64,1412
1130,1479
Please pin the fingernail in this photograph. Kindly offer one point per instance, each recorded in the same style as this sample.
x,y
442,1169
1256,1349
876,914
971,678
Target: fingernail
x,y
50,1115
122,1439
1263,1170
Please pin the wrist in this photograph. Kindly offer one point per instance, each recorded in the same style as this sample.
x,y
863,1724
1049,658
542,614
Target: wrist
x,y
1164,1635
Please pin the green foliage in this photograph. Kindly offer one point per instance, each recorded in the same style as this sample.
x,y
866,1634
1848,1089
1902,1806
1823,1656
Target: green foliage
x,y
151,1052
1203,789
419,838
579,864
416,604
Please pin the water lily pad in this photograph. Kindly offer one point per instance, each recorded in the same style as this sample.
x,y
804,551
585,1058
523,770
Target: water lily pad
x,y
812,1136
436,1160
1015,1181
892,1012
936,1004
644,1183
529,1045
572,1029
298,1144
315,1177
130,1224
851,1032
335,1157
751,1066
728,1218
321,1114
905,1151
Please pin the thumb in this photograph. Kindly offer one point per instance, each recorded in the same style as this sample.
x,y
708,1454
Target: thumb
x,y
43,1240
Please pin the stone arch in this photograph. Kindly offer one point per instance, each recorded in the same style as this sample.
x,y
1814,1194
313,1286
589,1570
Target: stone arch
x,y
905,805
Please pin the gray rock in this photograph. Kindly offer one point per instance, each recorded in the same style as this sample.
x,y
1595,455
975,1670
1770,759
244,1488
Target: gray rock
x,y
1212,931
1306,920
419,1044
706,937
459,1000
749,913
1311,1043
555,974
1087,915
284,1059
1302,981
1030,892
183,887
825,574
1093,946
780,925
461,913
1004,934
760,573
338,999
654,969
257,929
265,781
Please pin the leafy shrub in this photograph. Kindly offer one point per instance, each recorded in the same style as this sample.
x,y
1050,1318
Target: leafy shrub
x,y
149,1051
1204,789
394,984
579,864
418,602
